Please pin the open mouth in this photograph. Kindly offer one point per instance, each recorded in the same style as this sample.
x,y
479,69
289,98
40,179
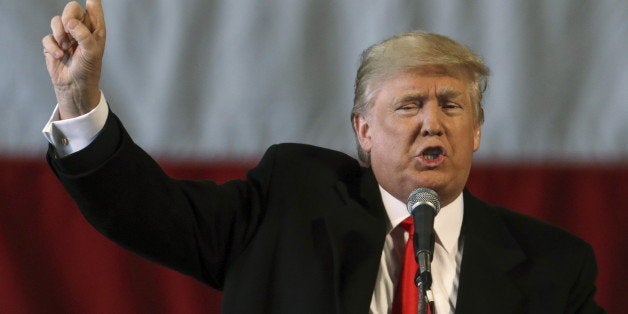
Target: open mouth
x,y
432,153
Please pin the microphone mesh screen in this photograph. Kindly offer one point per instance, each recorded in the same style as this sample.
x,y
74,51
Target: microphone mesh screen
x,y
423,196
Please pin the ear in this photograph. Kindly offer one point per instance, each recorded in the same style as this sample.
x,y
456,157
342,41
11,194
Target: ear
x,y
477,136
362,132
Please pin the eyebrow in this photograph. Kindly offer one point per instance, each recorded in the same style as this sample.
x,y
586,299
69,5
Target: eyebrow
x,y
416,96
442,95
447,93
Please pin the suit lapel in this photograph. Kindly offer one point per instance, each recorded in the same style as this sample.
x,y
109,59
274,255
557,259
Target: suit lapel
x,y
355,231
489,280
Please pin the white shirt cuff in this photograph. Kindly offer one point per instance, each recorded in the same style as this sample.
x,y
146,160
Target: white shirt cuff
x,y
71,135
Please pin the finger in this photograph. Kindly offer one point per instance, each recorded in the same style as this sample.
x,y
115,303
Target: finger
x,y
96,16
79,32
51,47
72,10
52,63
58,32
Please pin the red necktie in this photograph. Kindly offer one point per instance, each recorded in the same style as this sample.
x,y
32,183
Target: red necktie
x,y
407,296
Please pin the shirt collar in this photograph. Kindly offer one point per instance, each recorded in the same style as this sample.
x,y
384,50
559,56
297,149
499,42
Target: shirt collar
x,y
447,223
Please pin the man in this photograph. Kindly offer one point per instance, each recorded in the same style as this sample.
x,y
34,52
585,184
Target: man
x,y
310,230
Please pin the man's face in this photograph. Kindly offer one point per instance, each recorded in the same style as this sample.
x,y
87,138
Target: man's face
x,y
421,132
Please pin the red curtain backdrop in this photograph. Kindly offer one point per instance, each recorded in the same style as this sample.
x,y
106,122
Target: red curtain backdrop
x,y
52,261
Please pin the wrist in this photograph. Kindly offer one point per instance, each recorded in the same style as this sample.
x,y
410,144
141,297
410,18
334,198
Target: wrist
x,y
76,101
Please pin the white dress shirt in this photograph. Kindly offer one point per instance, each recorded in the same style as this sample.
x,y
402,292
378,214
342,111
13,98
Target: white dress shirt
x,y
71,135
445,264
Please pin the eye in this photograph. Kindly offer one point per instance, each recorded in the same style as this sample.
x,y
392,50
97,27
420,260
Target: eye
x,y
408,106
450,105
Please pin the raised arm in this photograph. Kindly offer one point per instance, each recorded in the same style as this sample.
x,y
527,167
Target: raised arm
x,y
74,54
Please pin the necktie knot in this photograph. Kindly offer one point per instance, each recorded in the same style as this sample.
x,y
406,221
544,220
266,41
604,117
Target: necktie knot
x,y
408,225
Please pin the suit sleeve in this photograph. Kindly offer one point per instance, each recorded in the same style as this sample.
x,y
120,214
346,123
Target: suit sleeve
x,y
195,227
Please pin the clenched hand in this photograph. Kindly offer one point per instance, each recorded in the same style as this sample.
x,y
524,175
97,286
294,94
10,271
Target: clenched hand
x,y
74,54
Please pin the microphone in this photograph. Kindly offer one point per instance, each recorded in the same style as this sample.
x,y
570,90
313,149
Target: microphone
x,y
423,205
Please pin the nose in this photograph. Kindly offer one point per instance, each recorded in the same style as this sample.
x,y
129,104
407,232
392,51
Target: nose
x,y
431,120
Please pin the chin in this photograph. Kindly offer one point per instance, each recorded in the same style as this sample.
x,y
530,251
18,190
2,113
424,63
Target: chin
x,y
431,179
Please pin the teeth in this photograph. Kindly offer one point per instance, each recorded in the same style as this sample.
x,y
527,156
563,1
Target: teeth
x,y
432,153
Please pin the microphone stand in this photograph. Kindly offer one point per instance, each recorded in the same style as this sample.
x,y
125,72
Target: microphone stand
x,y
423,304
423,281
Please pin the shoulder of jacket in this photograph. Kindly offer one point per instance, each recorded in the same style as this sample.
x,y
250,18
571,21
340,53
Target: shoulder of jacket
x,y
307,162
534,232
304,153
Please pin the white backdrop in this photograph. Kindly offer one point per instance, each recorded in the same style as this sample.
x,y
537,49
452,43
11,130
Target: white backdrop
x,y
226,79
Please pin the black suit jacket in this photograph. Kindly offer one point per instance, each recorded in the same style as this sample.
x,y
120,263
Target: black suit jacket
x,y
304,233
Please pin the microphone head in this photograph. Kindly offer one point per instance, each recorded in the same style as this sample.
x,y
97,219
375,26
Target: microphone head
x,y
423,196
